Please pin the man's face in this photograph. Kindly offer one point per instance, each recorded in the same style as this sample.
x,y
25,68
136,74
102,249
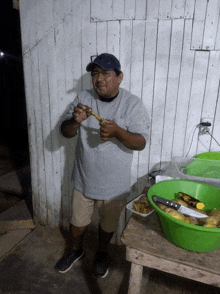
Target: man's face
x,y
105,82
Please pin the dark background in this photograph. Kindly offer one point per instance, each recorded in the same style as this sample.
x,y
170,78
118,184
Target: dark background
x,y
13,118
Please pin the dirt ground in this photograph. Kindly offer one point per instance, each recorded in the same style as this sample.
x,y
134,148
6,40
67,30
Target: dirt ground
x,y
29,269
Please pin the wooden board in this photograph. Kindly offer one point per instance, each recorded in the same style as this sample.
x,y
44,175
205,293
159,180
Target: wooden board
x,y
210,97
198,24
172,88
147,245
196,101
211,25
175,267
183,96
160,87
148,91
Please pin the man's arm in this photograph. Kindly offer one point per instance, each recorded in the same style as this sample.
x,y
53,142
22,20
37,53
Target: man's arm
x,y
69,127
133,141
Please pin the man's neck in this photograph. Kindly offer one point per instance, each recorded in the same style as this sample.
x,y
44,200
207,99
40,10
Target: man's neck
x,y
107,99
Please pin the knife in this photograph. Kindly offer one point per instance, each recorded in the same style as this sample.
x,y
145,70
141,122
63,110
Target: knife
x,y
178,207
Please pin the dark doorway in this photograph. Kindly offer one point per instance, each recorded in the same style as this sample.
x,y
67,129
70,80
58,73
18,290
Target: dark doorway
x,y
14,149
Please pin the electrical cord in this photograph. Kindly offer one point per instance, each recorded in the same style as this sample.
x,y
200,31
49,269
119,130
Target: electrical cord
x,y
207,131
191,140
213,137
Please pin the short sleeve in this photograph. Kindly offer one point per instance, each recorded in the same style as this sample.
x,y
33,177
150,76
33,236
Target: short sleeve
x,y
137,119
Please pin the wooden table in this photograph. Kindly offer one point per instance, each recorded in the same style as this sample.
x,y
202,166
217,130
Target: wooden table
x,y
146,245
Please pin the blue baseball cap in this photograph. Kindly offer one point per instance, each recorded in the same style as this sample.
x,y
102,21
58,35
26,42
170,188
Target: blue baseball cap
x,y
106,61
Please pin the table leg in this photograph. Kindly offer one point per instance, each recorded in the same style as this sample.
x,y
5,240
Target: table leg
x,y
135,278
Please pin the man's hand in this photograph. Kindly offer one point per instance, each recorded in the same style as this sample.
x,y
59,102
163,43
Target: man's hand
x,y
69,127
133,141
108,129
81,112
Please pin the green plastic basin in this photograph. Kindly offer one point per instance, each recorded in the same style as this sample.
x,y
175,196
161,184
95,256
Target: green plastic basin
x,y
214,155
205,165
187,236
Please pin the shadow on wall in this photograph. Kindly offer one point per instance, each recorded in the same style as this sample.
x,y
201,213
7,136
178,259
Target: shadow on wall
x,y
55,141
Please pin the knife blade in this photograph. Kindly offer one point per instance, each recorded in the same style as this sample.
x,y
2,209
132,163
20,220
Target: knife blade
x,y
178,207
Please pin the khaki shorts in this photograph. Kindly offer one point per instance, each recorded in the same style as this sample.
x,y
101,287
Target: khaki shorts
x,y
109,211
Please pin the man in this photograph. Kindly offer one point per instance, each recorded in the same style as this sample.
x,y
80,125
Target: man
x,y
102,168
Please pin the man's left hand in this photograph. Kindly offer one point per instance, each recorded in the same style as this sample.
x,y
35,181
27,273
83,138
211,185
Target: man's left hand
x,y
108,129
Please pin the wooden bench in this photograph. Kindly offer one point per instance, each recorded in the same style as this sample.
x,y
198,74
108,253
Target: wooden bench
x,y
146,245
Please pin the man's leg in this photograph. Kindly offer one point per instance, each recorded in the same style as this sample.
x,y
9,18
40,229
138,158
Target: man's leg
x,y
77,234
82,209
110,212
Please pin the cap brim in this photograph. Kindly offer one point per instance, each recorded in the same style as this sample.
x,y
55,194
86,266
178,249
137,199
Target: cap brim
x,y
90,66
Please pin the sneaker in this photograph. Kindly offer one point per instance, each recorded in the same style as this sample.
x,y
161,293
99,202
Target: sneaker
x,y
65,263
101,264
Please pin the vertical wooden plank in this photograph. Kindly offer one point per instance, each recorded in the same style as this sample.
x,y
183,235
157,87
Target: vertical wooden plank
x,y
54,131
172,87
211,25
178,9
28,17
137,57
44,116
60,10
196,101
198,24
74,53
200,9
215,131
88,42
44,24
217,39
125,60
161,71
125,52
118,9
30,90
197,36
187,64
113,38
165,9
68,50
129,9
140,9
210,98
59,39
101,10
71,38
152,9
189,8
42,196
96,10
148,89
101,37
106,9
69,82
137,51
76,47
49,116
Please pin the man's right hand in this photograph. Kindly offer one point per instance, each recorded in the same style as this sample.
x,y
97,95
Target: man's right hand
x,y
81,112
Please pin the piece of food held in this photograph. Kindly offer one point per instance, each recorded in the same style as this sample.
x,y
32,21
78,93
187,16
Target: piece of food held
x,y
210,220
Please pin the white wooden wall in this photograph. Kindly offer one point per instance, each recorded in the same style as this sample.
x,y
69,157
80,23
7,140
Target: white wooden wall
x,y
169,51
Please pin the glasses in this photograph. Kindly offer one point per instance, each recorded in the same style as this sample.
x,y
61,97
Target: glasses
x,y
93,57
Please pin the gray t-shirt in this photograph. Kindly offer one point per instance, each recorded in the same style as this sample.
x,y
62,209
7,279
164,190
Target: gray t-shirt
x,y
102,169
